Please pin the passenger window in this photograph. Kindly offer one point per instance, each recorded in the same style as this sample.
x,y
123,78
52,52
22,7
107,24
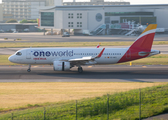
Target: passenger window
x,y
19,53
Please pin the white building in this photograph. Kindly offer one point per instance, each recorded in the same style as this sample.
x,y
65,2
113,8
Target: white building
x,y
97,18
1,13
22,9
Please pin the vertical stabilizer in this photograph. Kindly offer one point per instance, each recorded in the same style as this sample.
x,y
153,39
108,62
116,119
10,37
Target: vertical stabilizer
x,y
143,44
145,40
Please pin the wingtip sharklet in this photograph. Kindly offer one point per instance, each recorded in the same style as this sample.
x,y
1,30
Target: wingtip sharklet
x,y
100,54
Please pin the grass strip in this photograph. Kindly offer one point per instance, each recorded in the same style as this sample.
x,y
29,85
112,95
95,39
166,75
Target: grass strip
x,y
4,60
70,44
25,95
121,106
161,59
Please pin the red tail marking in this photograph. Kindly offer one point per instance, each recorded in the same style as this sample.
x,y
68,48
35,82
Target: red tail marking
x,y
144,42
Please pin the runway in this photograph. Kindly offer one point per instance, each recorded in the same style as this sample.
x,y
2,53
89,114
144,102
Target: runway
x,y
98,73
39,37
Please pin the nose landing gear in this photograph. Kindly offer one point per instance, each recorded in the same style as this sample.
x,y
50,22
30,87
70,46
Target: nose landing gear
x,y
29,69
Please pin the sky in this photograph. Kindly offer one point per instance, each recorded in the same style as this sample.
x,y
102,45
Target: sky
x,y
131,1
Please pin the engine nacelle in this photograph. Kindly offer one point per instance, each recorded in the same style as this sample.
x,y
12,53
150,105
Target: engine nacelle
x,y
61,66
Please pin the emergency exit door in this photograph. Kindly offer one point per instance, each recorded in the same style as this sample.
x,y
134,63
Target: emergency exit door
x,y
28,54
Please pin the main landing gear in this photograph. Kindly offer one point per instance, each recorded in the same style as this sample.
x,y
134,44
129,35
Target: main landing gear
x,y
80,70
29,69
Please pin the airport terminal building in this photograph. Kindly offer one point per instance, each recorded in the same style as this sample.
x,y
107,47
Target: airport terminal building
x,y
97,18
1,13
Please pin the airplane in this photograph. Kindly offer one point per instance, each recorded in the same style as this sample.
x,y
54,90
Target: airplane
x,y
64,59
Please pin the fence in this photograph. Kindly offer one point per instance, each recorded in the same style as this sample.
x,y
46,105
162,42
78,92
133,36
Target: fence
x,y
131,105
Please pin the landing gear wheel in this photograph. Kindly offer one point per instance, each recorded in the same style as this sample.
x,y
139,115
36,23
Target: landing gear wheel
x,y
28,70
80,70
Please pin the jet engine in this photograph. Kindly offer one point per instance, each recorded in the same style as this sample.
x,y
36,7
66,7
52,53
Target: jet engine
x,y
61,66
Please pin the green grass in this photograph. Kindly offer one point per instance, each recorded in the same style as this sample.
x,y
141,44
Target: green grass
x,y
122,106
161,59
4,60
70,44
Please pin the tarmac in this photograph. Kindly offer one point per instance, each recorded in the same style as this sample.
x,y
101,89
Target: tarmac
x,y
97,73
39,37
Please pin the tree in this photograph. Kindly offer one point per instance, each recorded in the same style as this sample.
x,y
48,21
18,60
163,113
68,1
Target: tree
x,y
11,21
28,21
23,21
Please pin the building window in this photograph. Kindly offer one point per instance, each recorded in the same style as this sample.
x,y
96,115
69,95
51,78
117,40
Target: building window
x,y
114,22
142,20
47,18
79,24
70,24
79,15
70,15
128,13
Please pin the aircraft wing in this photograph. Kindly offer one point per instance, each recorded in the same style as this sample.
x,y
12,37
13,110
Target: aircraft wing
x,y
86,59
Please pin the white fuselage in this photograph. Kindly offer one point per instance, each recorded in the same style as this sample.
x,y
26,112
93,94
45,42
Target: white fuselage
x,y
48,55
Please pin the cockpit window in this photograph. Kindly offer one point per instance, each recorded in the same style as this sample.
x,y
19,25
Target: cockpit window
x,y
18,53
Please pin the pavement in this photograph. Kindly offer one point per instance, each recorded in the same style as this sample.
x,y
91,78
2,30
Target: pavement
x,y
39,37
158,117
98,73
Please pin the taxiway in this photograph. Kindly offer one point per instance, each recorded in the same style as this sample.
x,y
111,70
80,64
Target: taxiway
x,y
98,73
39,37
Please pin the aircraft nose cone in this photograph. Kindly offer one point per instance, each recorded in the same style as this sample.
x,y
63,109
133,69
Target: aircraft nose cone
x,y
10,58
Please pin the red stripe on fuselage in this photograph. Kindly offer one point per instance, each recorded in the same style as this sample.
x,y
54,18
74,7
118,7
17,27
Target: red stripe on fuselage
x,y
143,44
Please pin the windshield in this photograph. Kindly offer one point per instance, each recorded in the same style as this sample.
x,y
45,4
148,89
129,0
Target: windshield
x,y
18,53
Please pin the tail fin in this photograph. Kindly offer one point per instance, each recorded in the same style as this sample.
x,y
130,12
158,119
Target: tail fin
x,y
145,40
142,46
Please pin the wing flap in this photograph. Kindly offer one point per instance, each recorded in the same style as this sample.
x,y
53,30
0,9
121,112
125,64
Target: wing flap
x,y
89,58
81,59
